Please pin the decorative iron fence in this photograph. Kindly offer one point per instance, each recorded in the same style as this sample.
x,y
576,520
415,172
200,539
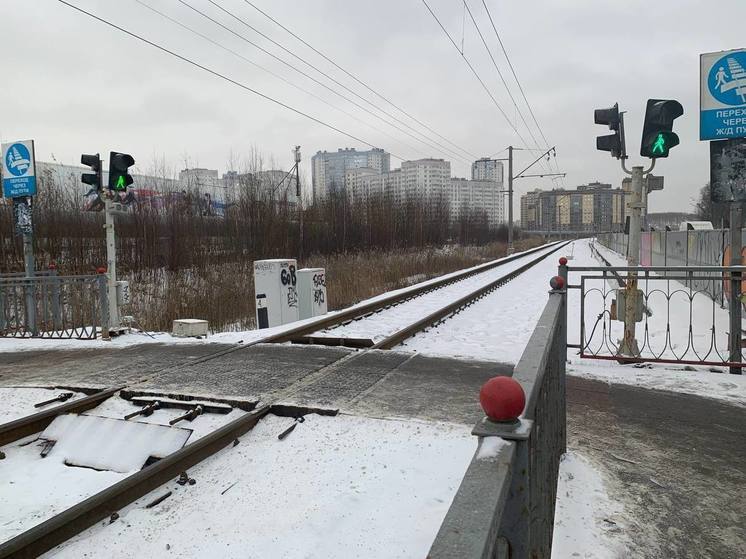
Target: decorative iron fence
x,y
505,505
52,306
671,304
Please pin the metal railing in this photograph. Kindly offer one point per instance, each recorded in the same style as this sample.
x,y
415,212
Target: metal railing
x,y
505,505
52,306
673,301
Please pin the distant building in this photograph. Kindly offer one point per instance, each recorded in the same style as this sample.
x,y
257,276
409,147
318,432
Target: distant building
x,y
594,207
486,169
328,168
362,183
425,178
476,195
530,210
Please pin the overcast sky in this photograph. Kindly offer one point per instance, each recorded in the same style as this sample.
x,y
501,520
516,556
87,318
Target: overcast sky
x,y
75,85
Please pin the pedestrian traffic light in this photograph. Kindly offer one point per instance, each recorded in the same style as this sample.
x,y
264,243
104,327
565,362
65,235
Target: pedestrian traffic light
x,y
613,143
119,164
657,135
94,162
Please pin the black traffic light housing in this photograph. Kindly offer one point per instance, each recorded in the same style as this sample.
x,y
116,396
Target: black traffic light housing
x,y
613,143
94,162
657,135
119,177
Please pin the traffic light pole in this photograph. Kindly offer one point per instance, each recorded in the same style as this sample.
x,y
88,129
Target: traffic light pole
x,y
628,346
111,263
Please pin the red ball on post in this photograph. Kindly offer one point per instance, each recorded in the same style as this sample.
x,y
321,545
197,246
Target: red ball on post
x,y
101,270
557,282
502,399
563,261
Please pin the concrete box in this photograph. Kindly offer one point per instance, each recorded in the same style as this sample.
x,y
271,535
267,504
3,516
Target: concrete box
x,y
275,289
311,292
189,327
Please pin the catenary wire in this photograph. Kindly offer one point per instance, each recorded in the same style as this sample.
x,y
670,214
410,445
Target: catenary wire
x,y
219,75
520,87
357,79
440,147
310,77
274,74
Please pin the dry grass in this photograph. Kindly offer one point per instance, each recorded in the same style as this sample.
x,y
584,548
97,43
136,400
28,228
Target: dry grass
x,y
224,294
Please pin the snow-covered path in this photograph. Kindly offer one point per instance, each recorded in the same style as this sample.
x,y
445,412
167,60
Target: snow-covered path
x,y
498,326
382,324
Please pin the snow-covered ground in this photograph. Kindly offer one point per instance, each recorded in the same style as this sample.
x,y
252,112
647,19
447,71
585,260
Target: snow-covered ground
x,y
587,523
35,488
336,487
19,402
382,324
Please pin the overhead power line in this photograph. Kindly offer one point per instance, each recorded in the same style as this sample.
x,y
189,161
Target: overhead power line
x,y
274,74
515,76
355,78
220,75
430,142
499,73
476,75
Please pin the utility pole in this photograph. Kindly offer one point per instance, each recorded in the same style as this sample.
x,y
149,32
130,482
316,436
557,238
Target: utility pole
x,y
510,199
299,195
512,177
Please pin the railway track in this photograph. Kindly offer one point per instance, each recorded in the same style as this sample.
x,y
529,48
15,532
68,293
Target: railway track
x,y
72,521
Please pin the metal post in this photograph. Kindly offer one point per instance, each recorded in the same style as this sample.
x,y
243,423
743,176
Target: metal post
x,y
103,308
300,203
629,345
510,199
735,287
28,259
111,264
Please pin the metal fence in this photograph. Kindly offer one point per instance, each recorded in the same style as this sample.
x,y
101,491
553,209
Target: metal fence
x,y
673,303
52,306
505,505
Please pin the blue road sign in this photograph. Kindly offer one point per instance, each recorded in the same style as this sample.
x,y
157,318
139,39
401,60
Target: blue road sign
x,y
19,169
723,95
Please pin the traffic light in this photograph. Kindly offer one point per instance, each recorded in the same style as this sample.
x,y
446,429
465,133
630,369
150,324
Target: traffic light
x,y
94,162
119,164
613,143
657,135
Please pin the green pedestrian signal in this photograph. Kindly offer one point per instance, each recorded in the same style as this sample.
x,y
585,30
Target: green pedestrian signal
x,y
119,177
657,133
660,144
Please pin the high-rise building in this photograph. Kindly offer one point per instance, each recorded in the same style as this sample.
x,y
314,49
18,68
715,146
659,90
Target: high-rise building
x,y
425,178
594,207
486,169
477,195
328,168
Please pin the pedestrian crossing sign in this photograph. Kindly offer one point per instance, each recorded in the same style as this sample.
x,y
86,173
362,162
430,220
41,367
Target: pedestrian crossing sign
x,y
723,95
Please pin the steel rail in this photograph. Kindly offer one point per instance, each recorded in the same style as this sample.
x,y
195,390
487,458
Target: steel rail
x,y
409,331
25,426
352,313
72,521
